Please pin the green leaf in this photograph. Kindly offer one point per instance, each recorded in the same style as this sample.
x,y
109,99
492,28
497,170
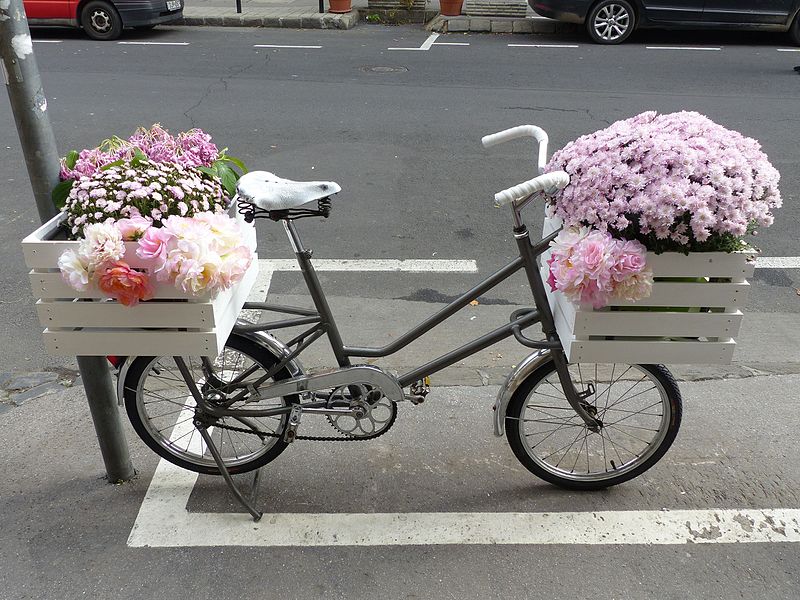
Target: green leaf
x,y
61,192
237,162
116,163
229,178
208,171
71,158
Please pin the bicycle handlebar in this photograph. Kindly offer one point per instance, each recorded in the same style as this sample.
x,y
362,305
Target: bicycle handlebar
x,y
549,183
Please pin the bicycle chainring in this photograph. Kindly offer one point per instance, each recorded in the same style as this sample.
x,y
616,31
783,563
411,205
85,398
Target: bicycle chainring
x,y
377,418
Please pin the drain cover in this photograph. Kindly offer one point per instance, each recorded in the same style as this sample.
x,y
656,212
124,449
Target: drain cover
x,y
384,69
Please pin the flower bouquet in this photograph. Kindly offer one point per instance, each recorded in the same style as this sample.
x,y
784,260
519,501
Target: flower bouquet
x,y
651,264
144,257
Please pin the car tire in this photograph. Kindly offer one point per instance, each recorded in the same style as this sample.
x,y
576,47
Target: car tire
x,y
101,21
611,21
794,31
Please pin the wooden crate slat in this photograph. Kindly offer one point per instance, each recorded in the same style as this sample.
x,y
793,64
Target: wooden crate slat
x,y
670,293
736,265
94,342
651,351
49,284
114,315
657,324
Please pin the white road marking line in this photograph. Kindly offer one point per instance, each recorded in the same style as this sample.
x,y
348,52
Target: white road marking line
x,y
283,46
407,266
451,44
543,46
163,520
426,45
788,49
154,43
778,262
47,41
724,526
681,48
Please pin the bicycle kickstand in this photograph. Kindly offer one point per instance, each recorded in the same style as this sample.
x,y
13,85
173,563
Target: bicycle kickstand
x,y
248,504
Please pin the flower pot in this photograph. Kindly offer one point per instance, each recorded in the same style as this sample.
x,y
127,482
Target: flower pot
x,y
450,8
88,323
340,6
668,326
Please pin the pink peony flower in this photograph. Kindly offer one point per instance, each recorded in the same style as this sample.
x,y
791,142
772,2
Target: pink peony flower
x,y
155,244
74,270
102,243
127,285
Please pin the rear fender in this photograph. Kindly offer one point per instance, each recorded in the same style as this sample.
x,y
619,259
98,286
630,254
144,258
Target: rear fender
x,y
513,381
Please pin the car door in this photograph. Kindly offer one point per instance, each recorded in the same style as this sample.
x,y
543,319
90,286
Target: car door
x,y
674,10
49,9
747,11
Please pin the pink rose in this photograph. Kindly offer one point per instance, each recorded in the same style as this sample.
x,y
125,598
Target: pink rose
x,y
155,244
127,285
134,227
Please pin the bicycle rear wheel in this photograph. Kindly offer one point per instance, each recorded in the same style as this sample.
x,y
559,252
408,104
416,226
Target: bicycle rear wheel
x,y
639,405
162,409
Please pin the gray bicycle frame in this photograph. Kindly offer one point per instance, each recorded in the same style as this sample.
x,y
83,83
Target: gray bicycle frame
x,y
322,322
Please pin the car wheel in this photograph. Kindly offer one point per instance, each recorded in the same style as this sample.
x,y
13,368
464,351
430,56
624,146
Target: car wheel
x,y
101,21
611,21
794,30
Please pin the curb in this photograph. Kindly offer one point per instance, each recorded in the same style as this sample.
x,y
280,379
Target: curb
x,y
464,23
301,20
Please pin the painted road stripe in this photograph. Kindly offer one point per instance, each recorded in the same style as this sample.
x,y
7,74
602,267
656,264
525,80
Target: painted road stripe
x,y
426,45
281,46
154,43
451,43
778,262
681,48
407,266
47,41
543,46
788,49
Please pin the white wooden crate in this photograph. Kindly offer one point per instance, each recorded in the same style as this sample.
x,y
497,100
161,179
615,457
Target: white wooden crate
x,y
89,324
677,332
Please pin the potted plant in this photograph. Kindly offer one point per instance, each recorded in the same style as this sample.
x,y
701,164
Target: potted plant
x,y
144,254
340,6
651,265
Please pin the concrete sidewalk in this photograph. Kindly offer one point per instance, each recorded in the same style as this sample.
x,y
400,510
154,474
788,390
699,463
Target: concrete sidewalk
x,y
488,16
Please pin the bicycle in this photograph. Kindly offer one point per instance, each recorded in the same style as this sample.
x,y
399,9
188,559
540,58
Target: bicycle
x,y
577,426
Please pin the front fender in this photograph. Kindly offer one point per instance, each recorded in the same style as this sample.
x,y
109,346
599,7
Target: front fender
x,y
513,381
277,347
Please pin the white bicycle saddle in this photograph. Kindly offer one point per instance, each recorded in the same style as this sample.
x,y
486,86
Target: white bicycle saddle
x,y
270,192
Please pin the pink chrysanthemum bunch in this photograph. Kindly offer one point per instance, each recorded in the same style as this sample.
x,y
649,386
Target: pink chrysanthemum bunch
x,y
674,182
192,148
591,267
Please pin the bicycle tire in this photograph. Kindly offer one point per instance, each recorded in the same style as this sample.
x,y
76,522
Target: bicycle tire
x,y
533,406
165,421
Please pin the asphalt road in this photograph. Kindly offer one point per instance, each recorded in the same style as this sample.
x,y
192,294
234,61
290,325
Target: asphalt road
x,y
400,131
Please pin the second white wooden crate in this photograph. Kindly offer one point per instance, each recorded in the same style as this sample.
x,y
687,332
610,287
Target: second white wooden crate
x,y
686,322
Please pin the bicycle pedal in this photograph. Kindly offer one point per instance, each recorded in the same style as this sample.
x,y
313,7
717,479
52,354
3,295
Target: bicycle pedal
x,y
294,422
419,390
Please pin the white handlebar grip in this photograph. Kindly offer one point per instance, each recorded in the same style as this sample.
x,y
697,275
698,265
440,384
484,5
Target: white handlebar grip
x,y
513,133
549,183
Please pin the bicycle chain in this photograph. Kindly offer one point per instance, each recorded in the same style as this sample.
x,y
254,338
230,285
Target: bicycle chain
x,y
312,438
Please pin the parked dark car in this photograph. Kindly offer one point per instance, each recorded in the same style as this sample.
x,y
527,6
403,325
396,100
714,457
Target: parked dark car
x,y
612,21
103,19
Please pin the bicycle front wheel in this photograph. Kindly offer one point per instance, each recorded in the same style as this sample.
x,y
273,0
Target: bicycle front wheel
x,y
639,406
162,410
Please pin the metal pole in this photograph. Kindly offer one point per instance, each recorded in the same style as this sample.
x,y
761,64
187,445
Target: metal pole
x,y
322,6
29,106
238,6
